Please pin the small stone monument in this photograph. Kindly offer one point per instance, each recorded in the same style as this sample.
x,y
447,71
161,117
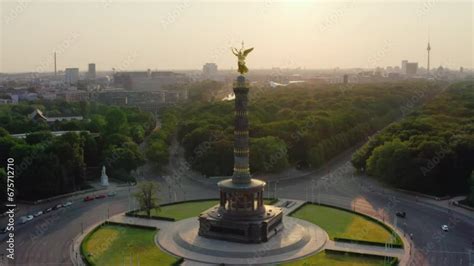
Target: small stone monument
x,y
104,179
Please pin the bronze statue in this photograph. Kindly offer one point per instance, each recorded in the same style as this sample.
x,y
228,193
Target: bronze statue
x,y
241,55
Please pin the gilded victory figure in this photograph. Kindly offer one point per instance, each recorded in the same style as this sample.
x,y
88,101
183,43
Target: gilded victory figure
x,y
241,55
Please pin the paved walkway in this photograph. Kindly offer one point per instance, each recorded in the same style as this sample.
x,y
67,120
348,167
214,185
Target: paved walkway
x,y
160,224
365,249
289,205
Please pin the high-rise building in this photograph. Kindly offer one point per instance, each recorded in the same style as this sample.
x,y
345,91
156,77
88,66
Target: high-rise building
x,y
91,71
346,78
209,70
411,68
71,75
404,66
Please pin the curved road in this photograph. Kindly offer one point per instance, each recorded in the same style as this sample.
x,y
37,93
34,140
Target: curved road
x,y
46,240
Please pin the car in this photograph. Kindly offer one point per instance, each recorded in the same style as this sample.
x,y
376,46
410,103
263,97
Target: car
x,y
25,219
38,214
112,193
48,210
100,196
444,228
401,214
89,198
67,204
59,206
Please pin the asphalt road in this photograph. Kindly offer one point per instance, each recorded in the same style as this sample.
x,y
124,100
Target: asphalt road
x,y
46,240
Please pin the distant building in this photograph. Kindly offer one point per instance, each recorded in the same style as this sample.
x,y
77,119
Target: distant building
x,y
74,96
91,74
209,70
71,75
5,101
411,68
37,115
394,75
346,79
148,80
404,66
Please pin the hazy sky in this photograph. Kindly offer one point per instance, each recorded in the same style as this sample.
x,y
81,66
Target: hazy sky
x,y
186,34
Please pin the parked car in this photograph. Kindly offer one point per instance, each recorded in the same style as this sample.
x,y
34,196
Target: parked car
x,y
401,214
100,196
89,198
67,204
112,193
48,210
59,206
25,219
38,214
444,228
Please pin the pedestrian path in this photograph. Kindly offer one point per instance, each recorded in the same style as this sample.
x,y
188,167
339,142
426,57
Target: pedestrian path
x,y
365,249
289,205
122,219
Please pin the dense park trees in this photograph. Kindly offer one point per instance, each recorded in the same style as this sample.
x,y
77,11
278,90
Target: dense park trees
x,y
431,150
299,125
157,150
48,165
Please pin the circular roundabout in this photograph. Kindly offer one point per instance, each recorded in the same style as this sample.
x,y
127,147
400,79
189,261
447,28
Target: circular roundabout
x,y
298,239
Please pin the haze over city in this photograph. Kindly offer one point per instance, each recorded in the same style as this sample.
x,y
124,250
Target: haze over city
x,y
231,132
185,34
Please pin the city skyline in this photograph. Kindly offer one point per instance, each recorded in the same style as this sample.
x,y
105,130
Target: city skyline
x,y
185,35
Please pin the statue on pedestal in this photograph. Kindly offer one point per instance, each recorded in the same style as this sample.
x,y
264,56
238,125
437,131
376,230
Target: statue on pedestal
x,y
104,179
241,55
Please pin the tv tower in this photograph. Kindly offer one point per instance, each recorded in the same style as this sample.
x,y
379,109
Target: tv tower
x,y
55,64
428,49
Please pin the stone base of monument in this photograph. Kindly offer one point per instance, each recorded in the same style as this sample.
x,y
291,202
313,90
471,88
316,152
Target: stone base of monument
x,y
218,224
296,240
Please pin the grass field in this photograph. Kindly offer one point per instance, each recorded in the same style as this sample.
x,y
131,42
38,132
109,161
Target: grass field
x,y
114,244
182,211
185,210
344,224
331,259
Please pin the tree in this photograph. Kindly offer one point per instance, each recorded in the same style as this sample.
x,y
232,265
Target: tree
x,y
3,132
116,121
268,154
147,196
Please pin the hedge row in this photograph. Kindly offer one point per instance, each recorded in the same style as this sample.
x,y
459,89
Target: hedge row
x,y
134,214
393,261
365,242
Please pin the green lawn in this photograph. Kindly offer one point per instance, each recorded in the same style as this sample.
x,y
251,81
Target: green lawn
x,y
182,211
114,244
185,210
344,224
332,259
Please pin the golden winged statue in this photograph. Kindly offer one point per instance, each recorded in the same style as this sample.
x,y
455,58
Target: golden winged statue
x,y
241,55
